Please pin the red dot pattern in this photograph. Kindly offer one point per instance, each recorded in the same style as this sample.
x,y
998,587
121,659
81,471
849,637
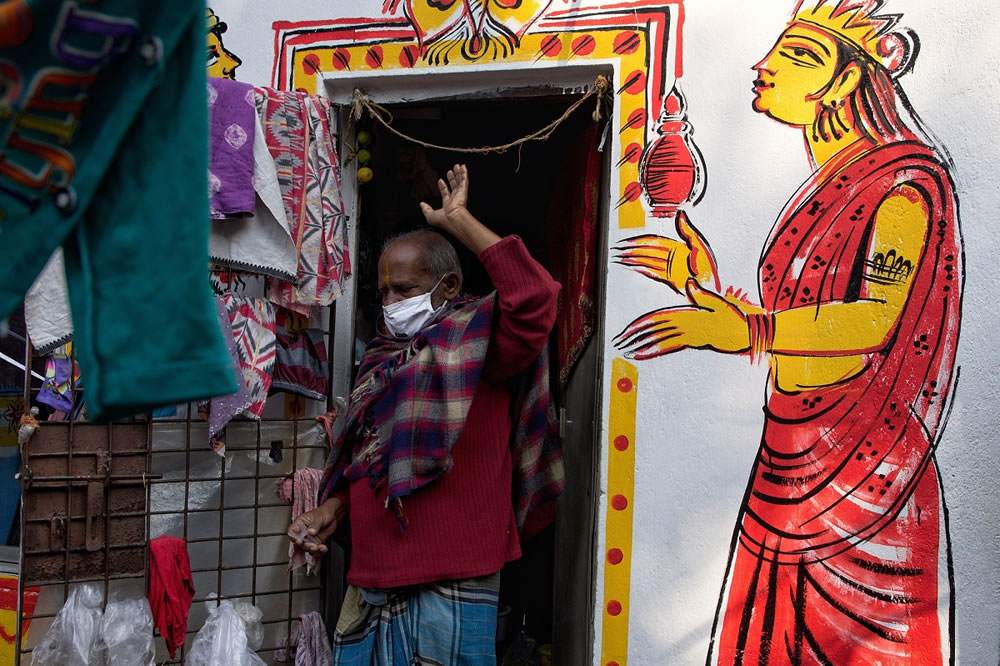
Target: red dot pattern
x,y
625,43
408,56
551,46
635,82
632,153
341,59
615,556
375,57
612,663
310,64
583,45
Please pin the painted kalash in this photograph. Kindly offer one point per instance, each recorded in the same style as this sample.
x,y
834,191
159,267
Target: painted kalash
x,y
839,555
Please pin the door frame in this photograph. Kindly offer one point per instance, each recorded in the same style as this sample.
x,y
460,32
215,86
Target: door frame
x,y
465,83
470,82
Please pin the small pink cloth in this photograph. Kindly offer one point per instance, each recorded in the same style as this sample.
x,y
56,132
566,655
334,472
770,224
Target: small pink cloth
x,y
301,490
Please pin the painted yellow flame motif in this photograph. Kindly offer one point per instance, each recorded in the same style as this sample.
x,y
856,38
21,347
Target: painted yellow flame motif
x,y
477,28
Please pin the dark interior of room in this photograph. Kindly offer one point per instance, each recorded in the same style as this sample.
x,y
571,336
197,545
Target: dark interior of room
x,y
512,193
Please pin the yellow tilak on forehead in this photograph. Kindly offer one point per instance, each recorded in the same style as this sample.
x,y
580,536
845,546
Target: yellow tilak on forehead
x,y
854,22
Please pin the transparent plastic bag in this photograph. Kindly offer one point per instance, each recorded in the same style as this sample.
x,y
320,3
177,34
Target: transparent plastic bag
x,y
251,616
72,634
223,641
126,637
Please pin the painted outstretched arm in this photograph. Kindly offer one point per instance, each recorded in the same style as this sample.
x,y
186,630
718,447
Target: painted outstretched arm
x,y
730,325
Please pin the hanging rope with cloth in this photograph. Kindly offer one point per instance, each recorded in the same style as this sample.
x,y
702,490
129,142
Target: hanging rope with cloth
x,y
362,102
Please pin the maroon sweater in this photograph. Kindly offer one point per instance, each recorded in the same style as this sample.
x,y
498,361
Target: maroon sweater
x,y
462,525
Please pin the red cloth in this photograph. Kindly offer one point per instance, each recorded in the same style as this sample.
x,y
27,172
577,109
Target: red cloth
x,y
463,525
838,549
171,589
572,243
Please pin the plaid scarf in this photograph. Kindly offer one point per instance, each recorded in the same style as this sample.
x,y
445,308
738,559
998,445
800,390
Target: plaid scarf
x,y
409,407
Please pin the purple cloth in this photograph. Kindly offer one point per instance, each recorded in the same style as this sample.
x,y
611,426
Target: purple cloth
x,y
230,170
309,644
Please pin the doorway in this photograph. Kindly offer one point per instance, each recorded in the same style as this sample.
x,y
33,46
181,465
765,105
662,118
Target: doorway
x,y
552,194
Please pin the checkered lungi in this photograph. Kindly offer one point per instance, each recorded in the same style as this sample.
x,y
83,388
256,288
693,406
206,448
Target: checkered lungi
x,y
452,623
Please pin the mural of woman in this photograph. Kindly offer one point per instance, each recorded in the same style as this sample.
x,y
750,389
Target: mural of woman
x,y
839,554
222,63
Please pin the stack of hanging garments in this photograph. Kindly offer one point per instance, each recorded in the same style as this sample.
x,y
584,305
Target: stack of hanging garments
x,y
295,235
295,230
250,231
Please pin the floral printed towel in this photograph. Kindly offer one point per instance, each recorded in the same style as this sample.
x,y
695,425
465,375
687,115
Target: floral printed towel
x,y
299,134
253,333
221,410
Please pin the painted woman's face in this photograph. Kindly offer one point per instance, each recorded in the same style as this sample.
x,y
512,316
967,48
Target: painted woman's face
x,y
221,63
794,75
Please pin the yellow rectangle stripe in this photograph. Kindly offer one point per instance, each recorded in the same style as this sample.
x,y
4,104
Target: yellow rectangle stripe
x,y
618,533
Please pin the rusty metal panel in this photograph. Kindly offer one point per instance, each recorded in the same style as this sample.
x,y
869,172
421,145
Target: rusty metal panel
x,y
84,496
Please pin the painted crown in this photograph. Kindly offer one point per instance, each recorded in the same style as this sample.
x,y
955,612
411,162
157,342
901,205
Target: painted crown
x,y
858,23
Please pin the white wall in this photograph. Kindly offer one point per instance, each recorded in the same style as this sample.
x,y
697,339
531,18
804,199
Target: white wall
x,y
700,414
754,165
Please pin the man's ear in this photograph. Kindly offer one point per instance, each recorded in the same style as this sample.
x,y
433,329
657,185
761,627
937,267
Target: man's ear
x,y
451,286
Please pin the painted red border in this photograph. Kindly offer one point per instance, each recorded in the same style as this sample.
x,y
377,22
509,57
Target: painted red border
x,y
636,14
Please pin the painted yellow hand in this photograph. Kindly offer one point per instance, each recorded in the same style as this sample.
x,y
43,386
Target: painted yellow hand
x,y
709,322
672,262
741,300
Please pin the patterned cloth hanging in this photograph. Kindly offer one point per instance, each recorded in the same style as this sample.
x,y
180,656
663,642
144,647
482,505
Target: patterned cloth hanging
x,y
299,135
253,331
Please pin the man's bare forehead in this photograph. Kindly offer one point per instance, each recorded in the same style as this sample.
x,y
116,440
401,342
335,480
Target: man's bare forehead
x,y
405,256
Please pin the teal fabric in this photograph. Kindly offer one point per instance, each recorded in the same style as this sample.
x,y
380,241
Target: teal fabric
x,y
136,240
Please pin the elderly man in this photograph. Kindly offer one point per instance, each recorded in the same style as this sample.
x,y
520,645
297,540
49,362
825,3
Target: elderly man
x,y
450,411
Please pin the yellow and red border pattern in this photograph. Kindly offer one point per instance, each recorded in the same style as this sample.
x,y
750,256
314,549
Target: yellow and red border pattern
x,y
618,523
643,39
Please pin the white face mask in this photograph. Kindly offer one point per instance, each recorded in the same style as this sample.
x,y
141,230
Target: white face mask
x,y
407,317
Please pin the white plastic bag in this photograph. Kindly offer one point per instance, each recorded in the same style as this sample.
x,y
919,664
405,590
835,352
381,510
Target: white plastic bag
x,y
251,616
126,637
71,635
223,640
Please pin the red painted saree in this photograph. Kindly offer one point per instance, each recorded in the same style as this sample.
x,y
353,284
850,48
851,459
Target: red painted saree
x,y
836,554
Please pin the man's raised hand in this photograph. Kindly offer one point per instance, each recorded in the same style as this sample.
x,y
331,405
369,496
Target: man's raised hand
x,y
454,197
